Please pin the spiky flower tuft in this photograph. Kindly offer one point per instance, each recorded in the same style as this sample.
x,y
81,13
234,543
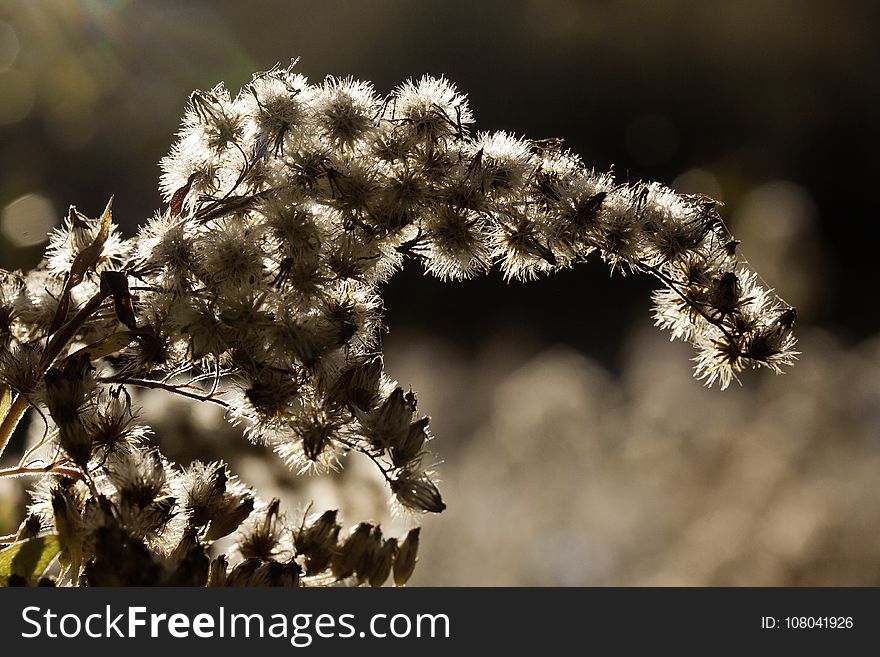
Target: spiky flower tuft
x,y
258,289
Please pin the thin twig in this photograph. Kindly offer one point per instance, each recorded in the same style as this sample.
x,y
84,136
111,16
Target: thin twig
x,y
60,470
49,435
177,390
357,448
13,417
673,285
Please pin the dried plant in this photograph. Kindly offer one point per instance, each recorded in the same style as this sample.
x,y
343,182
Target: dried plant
x,y
257,289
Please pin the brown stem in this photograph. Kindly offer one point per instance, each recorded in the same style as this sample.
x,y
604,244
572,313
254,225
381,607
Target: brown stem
x,y
177,390
61,471
7,427
357,448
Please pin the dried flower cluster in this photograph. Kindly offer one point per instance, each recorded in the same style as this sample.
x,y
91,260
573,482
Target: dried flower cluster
x,y
257,289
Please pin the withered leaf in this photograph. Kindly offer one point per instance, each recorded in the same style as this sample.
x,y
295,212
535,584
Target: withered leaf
x,y
177,199
85,260
116,284
107,345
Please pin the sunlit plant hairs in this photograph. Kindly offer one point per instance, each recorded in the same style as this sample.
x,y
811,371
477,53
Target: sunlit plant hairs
x,y
258,289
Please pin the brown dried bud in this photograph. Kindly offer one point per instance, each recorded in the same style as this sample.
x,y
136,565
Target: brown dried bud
x,y
418,493
317,542
225,523
407,555
217,571
347,558
67,386
359,385
382,563
75,440
725,295
390,424
406,450
262,538
316,435
367,563
260,572
204,493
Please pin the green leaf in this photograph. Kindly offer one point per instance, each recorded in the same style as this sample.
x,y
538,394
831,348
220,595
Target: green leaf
x,y
28,558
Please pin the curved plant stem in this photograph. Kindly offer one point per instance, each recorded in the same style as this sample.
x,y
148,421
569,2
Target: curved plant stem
x,y
61,471
7,426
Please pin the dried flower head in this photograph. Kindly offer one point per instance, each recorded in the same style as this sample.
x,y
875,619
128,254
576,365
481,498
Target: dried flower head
x,y
257,289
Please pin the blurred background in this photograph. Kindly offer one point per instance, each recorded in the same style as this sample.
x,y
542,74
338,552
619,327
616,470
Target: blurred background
x,y
576,447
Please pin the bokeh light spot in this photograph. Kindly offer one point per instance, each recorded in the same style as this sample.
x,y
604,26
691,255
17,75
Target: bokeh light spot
x,y
699,181
9,46
16,96
27,220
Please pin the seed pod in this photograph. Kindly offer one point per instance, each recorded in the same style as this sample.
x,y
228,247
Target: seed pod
x,y
244,573
217,571
156,515
787,319
406,450
66,389
382,563
113,422
359,385
67,516
418,493
261,539
227,522
21,365
290,574
139,476
67,386
75,440
725,295
261,572
121,560
318,542
207,487
407,555
390,424
367,563
188,563
316,434
346,558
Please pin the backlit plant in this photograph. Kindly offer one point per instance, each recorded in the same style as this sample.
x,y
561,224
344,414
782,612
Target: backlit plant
x,y
258,289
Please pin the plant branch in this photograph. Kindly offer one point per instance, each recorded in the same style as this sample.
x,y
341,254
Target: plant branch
x,y
178,390
13,417
61,471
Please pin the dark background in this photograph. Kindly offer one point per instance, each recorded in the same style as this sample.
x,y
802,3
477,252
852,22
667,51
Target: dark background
x,y
747,92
